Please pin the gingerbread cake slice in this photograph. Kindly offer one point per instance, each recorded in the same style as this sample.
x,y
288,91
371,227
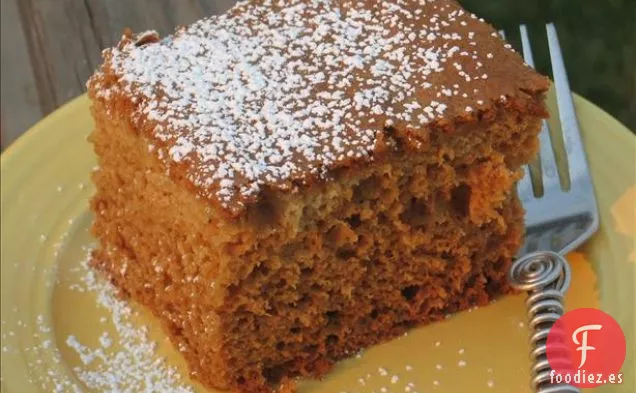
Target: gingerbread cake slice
x,y
293,181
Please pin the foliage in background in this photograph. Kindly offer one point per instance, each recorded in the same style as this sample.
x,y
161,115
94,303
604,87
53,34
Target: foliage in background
x,y
598,40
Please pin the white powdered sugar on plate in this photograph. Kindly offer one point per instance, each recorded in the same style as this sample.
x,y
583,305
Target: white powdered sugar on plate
x,y
125,362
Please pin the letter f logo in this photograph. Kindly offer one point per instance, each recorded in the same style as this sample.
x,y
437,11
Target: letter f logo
x,y
583,345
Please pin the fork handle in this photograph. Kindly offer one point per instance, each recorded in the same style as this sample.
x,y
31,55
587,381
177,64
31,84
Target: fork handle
x,y
545,276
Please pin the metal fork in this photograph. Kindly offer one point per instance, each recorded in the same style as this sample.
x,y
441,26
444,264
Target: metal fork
x,y
557,222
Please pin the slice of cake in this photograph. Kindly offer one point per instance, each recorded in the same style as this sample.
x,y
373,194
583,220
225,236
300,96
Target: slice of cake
x,y
293,181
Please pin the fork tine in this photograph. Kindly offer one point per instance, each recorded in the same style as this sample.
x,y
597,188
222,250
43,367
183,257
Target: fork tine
x,y
577,162
524,186
525,46
549,170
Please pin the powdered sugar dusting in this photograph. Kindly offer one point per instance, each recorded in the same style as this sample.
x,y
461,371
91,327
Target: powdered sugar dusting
x,y
123,360
273,93
130,366
384,382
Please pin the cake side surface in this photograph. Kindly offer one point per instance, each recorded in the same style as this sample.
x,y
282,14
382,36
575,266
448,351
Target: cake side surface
x,y
301,282
275,95
158,245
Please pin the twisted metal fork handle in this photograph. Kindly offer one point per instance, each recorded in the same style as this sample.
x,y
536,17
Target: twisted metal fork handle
x,y
546,276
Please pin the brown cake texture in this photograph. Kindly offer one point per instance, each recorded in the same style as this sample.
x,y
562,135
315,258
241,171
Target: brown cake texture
x,y
290,182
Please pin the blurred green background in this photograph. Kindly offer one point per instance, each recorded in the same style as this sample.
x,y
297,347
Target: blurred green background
x,y
598,40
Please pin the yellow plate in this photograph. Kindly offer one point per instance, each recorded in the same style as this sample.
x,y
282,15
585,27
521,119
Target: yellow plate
x,y
47,296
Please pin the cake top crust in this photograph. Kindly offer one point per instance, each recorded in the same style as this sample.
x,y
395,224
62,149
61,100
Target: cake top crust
x,y
273,94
